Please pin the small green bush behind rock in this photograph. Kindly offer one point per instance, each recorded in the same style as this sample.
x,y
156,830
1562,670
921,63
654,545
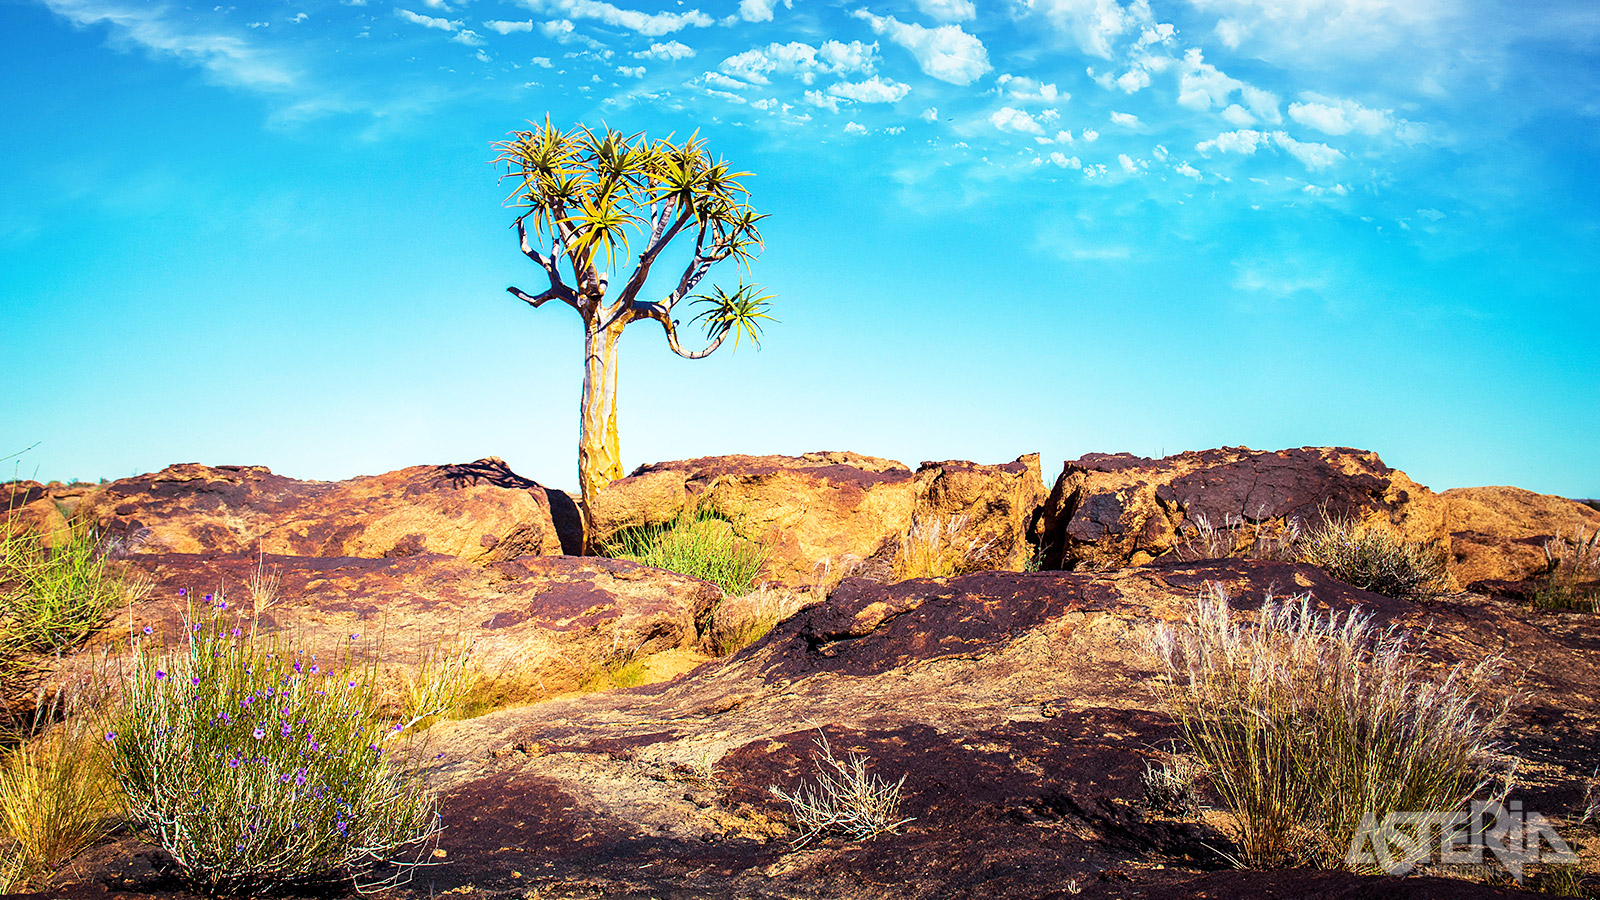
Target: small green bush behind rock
x,y
1373,557
258,766
1571,578
53,597
698,543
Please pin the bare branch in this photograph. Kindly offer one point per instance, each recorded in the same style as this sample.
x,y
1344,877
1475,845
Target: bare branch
x,y
556,292
663,315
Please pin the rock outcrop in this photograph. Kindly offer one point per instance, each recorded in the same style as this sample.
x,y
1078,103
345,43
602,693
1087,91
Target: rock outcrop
x,y
538,625
481,511
1110,510
819,514
1497,534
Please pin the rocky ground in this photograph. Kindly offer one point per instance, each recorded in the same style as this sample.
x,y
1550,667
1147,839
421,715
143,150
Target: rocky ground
x,y
1018,706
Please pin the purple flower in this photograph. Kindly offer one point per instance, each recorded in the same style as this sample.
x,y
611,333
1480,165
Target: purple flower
x,y
235,631
198,626
297,667
195,680
222,604
183,592
224,717
299,777
149,630
286,730
314,668
233,763
111,736
354,636
160,675
208,598
259,733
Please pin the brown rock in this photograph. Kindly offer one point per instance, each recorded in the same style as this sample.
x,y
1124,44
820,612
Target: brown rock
x,y
1110,510
998,503
480,510
1498,533
539,625
820,515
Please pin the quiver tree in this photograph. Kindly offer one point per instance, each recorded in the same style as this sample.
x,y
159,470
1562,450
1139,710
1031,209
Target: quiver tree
x,y
585,193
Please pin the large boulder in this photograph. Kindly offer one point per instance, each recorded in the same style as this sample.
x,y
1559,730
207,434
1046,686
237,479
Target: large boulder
x,y
1497,534
820,514
1111,510
538,625
480,510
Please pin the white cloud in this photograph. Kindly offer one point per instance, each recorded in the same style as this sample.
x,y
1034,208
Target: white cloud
x,y
647,24
1028,89
1089,136
1016,121
894,129
1187,170
947,52
1317,190
428,21
503,27
1092,23
822,101
259,24
1238,115
1127,164
719,80
631,71
299,17
1331,116
1313,156
1126,120
1065,161
469,37
873,90
1133,80
1202,85
795,58
760,10
948,10
542,62
1307,30
855,128
232,60
1245,141
671,51
1263,104
931,114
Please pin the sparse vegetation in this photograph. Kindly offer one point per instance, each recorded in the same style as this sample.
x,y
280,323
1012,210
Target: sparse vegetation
x,y
1571,579
1172,787
844,800
1373,557
1305,722
1237,537
937,548
758,612
53,597
257,765
56,799
699,543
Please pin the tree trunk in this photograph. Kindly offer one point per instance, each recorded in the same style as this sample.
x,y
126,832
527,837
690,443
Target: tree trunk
x,y
599,451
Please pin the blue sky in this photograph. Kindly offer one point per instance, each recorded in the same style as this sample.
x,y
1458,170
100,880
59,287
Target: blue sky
x,y
268,232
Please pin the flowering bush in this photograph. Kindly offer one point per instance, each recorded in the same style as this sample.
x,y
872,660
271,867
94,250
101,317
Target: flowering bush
x,y
259,765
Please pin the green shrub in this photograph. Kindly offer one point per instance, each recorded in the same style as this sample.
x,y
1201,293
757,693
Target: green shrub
x,y
258,766
53,598
1373,557
1305,723
699,543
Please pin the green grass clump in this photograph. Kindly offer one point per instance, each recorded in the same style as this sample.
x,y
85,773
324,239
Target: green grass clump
x,y
53,598
699,543
1305,723
1373,557
257,766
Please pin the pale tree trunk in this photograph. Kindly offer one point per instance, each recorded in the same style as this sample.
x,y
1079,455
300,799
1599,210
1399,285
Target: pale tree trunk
x,y
599,450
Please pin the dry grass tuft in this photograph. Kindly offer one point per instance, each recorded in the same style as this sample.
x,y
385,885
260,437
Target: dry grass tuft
x,y
845,800
55,800
1572,572
743,621
1373,557
1306,722
936,548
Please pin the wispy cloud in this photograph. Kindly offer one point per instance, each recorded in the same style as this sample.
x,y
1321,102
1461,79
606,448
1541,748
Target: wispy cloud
x,y
647,24
231,58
